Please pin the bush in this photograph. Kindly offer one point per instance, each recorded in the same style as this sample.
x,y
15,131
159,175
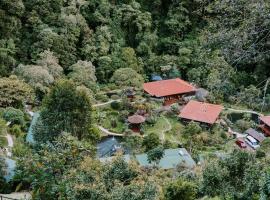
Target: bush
x,y
243,125
180,189
115,97
151,141
101,97
152,119
16,130
20,149
192,128
13,115
175,108
260,154
113,123
115,105
123,115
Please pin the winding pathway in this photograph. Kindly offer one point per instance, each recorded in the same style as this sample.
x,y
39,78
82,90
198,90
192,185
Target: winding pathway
x,y
107,132
106,103
168,128
244,111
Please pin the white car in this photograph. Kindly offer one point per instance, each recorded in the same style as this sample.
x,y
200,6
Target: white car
x,y
252,142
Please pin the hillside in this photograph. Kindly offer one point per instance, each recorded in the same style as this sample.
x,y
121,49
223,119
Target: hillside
x,y
74,78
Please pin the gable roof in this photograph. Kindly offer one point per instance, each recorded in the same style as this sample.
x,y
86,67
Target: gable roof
x,y
171,158
266,120
255,134
201,112
168,87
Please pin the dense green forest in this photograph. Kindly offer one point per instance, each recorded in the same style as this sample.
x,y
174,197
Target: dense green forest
x,y
220,45
62,57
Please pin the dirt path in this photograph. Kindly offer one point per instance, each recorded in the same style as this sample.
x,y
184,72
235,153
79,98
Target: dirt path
x,y
107,132
244,111
106,103
168,128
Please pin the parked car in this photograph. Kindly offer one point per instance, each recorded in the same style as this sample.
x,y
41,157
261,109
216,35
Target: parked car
x,y
252,142
241,143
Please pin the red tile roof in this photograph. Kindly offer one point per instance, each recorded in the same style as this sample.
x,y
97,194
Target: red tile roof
x,y
265,120
168,87
201,112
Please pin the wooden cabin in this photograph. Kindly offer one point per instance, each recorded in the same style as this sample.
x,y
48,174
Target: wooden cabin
x,y
201,112
265,125
171,90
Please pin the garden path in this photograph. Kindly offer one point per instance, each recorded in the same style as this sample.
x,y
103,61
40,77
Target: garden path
x,y
244,111
105,103
168,128
107,132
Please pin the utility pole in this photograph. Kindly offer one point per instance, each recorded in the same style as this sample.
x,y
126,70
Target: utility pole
x,y
264,92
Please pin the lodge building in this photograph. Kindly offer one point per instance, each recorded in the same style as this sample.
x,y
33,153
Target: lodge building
x,y
172,90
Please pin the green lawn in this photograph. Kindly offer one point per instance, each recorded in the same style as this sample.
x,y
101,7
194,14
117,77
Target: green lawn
x,y
158,127
107,123
173,135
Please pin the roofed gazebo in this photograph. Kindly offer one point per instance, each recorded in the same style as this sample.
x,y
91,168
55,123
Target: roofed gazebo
x,y
135,122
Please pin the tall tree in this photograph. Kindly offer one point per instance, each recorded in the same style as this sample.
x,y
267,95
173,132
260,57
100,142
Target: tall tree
x,y
180,189
127,77
65,109
14,92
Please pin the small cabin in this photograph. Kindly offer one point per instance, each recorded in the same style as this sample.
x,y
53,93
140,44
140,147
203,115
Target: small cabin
x,y
172,90
201,112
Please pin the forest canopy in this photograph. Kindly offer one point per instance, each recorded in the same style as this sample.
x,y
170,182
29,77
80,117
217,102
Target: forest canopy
x,y
198,40
71,78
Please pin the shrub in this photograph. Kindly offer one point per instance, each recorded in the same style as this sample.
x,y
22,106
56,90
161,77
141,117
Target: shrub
x,y
115,97
16,130
152,119
151,141
113,123
243,125
192,128
20,149
13,115
101,97
260,154
175,108
115,105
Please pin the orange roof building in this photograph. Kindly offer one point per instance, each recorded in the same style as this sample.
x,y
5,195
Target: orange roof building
x,y
265,124
168,87
201,112
171,90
